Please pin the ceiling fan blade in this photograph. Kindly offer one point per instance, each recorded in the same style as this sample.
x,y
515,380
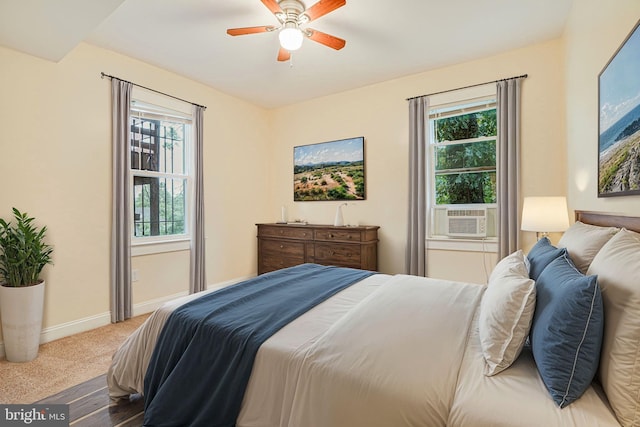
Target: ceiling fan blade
x,y
249,30
323,7
272,5
284,55
326,39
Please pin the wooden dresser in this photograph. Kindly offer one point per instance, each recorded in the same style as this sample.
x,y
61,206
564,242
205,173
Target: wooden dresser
x,y
286,245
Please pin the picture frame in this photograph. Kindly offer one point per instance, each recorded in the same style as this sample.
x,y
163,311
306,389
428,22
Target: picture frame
x,y
332,170
619,120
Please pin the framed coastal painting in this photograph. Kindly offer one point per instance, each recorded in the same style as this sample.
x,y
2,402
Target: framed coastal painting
x,y
619,121
332,170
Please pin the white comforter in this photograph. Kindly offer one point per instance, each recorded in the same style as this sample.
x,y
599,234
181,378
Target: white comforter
x,y
517,397
387,351
392,360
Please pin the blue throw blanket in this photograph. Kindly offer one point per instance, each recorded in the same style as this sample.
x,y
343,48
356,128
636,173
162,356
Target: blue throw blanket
x,y
202,361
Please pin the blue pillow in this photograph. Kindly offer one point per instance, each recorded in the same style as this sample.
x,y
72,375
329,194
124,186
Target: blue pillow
x,y
541,255
567,328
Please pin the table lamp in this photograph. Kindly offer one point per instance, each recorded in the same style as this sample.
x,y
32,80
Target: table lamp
x,y
544,215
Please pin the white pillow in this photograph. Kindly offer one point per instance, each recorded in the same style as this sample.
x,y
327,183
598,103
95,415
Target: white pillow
x,y
506,313
618,268
583,241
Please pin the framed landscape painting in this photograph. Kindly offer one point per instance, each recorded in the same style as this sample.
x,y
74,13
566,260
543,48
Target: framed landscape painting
x,y
619,121
329,171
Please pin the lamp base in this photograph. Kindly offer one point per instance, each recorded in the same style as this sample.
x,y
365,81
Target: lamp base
x,y
542,234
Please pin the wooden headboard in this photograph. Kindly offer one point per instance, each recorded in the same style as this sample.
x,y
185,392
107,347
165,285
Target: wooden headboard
x,y
609,220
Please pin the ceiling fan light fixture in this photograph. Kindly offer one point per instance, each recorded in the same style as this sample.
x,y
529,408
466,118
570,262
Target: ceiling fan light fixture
x,y
290,37
291,16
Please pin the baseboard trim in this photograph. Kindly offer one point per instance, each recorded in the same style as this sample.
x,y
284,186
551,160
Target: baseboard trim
x,y
87,323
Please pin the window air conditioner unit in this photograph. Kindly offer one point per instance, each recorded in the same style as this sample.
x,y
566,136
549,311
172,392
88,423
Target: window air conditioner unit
x,y
466,222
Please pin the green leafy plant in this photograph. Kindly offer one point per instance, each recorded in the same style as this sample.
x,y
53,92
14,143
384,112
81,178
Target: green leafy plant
x,y
23,253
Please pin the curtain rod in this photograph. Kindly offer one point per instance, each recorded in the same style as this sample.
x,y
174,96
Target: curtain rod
x,y
466,87
103,75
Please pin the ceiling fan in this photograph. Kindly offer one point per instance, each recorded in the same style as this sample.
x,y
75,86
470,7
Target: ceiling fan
x,y
292,15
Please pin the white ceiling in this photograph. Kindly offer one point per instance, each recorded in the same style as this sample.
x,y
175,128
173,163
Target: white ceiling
x,y
385,39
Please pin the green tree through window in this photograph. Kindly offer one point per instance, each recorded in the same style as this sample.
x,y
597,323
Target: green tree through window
x,y
465,157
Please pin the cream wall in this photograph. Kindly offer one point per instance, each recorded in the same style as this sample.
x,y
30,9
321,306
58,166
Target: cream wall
x,y
55,163
380,114
594,32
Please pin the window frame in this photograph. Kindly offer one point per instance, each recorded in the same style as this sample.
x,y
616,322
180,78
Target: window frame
x,y
449,101
159,109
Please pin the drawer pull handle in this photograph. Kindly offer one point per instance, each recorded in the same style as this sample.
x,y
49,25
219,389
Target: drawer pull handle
x,y
304,234
281,231
281,246
330,236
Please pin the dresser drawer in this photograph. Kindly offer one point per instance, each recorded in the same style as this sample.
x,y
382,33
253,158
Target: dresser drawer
x,y
282,248
331,235
272,263
286,232
336,254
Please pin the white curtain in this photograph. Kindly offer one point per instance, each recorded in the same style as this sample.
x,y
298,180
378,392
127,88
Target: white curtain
x,y
198,280
508,117
121,305
415,262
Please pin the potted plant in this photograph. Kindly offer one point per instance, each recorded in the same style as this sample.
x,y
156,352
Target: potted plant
x,y
23,255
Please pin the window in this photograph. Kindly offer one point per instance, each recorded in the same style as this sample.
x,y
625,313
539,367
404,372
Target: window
x,y
160,149
463,172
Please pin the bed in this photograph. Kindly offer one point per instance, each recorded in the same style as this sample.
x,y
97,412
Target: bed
x,y
409,351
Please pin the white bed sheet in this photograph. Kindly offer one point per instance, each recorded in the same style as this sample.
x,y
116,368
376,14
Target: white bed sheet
x,y
392,360
272,386
388,351
359,358
129,363
517,397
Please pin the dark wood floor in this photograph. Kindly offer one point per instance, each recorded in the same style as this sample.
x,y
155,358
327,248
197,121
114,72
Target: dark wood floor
x,y
90,406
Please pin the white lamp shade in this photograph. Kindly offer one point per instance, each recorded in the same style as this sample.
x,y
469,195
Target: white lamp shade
x,y
290,38
545,214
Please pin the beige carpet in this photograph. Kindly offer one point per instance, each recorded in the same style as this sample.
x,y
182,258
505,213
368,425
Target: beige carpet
x,y
63,363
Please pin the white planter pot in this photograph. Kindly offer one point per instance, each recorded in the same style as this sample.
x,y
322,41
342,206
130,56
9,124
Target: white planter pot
x,y
21,313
